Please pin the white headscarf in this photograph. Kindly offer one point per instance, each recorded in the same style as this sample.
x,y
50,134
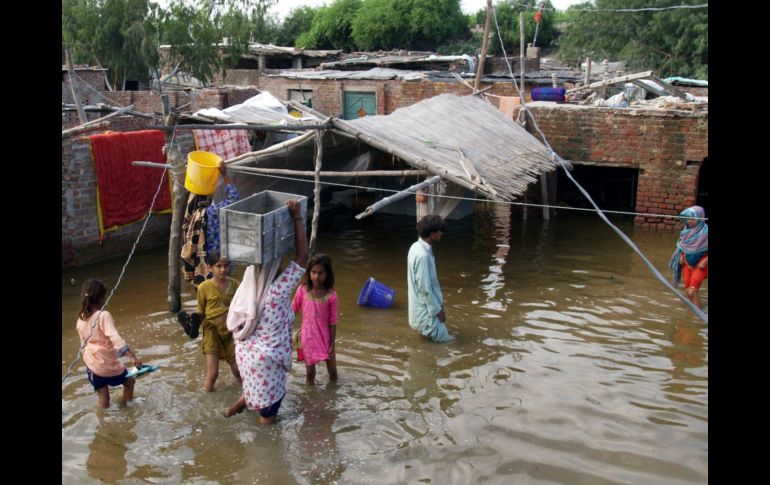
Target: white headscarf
x,y
249,299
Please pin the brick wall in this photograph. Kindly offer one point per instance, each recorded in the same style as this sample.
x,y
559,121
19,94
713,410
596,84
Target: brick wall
x,y
80,226
667,147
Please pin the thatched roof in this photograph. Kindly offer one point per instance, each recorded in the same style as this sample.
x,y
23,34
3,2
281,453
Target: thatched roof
x,y
451,135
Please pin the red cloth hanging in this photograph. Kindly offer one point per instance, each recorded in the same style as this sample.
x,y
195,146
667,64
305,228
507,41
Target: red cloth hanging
x,y
126,191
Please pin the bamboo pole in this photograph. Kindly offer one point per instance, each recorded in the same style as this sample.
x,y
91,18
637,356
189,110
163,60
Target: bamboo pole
x,y
304,173
398,196
73,86
307,173
99,121
241,126
84,128
174,157
316,191
484,47
522,56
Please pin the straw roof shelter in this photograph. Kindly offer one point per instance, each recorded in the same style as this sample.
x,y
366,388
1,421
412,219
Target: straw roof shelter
x,y
464,139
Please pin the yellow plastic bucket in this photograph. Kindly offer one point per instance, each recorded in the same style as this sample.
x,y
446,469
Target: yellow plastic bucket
x,y
202,172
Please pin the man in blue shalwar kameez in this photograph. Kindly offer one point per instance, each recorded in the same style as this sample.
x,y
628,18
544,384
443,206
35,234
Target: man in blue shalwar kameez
x,y
426,303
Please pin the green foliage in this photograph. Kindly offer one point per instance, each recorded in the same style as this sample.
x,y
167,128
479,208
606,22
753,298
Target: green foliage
x,y
298,21
381,24
111,33
409,24
508,19
332,27
669,42
432,22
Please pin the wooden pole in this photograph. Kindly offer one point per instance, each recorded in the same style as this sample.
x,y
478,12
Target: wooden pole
x,y
484,47
316,190
99,121
303,173
241,126
544,195
522,56
398,196
73,86
587,79
174,157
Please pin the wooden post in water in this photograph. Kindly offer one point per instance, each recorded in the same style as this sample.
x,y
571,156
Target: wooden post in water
x,y
317,190
174,158
484,47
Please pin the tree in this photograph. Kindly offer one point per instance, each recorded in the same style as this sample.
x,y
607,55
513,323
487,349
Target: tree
x,y
298,21
408,24
332,27
112,33
670,42
432,22
508,18
381,24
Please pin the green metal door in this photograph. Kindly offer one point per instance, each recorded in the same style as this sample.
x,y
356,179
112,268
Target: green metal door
x,y
359,104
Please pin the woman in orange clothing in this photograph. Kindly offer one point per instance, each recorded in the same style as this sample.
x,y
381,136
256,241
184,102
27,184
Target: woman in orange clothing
x,y
103,345
690,259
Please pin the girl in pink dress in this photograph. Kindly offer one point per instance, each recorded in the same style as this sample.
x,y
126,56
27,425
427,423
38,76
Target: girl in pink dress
x,y
317,301
102,345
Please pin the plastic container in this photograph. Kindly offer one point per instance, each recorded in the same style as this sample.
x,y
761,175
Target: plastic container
x,y
549,94
377,295
202,172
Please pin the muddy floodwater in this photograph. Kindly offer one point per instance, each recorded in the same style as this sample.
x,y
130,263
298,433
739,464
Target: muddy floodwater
x,y
571,364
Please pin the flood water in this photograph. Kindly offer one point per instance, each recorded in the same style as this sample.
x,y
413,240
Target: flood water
x,y
571,364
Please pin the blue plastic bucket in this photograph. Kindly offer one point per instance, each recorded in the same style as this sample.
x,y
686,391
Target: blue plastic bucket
x,y
548,94
376,295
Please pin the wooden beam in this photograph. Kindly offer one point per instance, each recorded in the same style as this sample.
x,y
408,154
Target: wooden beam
x,y
523,57
398,196
174,157
84,128
304,173
484,47
615,80
676,91
242,126
73,87
319,139
101,121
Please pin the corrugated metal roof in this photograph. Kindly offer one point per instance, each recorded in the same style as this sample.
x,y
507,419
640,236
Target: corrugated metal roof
x,y
379,73
436,134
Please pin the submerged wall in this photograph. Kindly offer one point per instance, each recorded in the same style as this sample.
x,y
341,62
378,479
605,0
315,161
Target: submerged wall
x,y
668,148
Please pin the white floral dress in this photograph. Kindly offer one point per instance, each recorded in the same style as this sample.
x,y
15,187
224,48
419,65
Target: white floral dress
x,y
265,357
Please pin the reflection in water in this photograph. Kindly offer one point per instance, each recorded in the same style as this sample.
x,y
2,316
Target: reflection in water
x,y
107,460
572,364
313,447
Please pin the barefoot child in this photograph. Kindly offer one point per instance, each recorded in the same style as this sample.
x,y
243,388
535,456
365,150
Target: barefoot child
x,y
214,296
317,301
103,346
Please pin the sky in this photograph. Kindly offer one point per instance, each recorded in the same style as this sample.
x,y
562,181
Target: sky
x,y
282,9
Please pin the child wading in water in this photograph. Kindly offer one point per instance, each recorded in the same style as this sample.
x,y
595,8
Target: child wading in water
x,y
104,345
214,297
317,300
